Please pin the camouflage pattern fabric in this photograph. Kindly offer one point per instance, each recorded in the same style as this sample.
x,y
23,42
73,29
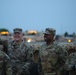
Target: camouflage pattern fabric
x,y
21,56
5,64
4,43
51,59
50,31
70,64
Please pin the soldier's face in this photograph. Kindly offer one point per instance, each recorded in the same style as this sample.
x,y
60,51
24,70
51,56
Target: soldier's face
x,y
17,36
48,37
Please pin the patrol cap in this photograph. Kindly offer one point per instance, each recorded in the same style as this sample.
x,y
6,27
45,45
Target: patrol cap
x,y
50,31
19,30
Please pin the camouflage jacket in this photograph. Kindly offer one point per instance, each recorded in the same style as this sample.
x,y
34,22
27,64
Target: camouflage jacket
x,y
21,57
51,59
5,64
70,64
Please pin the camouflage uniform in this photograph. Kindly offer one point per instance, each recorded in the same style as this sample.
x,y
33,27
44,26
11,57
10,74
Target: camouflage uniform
x,y
21,56
5,45
5,63
70,64
51,58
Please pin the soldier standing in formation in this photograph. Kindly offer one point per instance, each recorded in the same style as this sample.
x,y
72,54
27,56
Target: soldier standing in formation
x,y
20,53
51,56
70,64
5,62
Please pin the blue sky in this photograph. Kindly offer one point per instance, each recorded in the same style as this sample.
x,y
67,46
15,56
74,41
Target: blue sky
x,y
38,15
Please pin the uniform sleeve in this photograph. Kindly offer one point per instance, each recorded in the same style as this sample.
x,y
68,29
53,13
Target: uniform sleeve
x,y
29,61
63,54
8,65
39,62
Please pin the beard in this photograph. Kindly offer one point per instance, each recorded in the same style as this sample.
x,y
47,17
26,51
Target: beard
x,y
47,40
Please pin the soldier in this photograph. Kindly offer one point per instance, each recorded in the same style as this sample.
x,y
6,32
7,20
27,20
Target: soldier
x,y
5,63
5,45
20,53
70,64
51,56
